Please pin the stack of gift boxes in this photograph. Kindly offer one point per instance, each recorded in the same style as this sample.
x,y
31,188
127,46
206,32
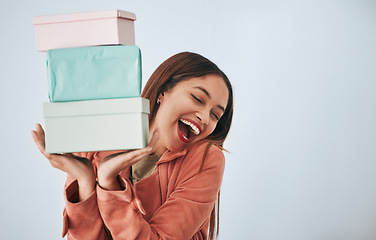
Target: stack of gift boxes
x,y
94,82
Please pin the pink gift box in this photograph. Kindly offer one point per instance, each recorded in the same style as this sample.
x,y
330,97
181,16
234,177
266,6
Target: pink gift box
x,y
84,29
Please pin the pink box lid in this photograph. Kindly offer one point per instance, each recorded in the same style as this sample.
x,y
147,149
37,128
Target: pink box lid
x,y
72,17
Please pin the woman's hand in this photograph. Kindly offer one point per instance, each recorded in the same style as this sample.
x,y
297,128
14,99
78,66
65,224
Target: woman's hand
x,y
78,167
110,167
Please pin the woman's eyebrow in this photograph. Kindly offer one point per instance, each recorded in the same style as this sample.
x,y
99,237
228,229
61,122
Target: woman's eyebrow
x,y
204,90
207,93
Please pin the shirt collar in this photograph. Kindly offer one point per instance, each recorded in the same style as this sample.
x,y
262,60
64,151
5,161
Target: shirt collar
x,y
168,155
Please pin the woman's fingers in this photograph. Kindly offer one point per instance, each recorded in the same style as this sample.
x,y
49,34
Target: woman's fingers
x,y
42,134
38,136
139,154
39,131
69,154
130,158
38,141
154,139
111,166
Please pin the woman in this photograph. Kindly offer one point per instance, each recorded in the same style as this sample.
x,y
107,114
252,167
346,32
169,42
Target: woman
x,y
109,195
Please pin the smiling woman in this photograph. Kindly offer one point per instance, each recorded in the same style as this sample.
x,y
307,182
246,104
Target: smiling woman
x,y
169,189
184,66
189,111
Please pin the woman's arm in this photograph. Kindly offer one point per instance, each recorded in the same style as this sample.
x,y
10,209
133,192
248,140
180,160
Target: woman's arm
x,y
81,215
78,167
82,219
185,210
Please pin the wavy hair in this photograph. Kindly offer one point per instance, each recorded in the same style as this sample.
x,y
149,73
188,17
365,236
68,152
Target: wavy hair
x,y
181,67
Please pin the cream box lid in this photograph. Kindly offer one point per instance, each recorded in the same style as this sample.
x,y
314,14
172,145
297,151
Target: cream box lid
x,y
73,17
96,107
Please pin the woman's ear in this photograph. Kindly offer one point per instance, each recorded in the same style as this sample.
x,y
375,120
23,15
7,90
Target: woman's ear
x,y
160,98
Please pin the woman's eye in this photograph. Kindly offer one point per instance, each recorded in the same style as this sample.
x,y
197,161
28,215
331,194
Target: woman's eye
x,y
196,98
215,116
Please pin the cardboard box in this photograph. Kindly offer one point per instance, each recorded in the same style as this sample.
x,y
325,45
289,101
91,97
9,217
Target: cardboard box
x,y
97,125
84,29
92,73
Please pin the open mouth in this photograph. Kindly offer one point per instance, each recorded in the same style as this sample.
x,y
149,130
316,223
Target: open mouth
x,y
187,130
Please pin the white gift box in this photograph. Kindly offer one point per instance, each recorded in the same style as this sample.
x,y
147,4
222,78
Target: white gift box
x,y
96,125
84,29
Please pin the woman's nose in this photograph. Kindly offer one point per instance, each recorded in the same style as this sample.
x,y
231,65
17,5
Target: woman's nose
x,y
204,118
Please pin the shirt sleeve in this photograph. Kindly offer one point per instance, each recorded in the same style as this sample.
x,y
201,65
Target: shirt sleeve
x,y
82,220
185,210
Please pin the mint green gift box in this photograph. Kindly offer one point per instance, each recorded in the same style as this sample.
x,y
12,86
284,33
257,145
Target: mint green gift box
x,y
91,73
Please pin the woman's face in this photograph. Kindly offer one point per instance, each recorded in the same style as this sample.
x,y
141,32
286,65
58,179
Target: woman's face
x,y
189,112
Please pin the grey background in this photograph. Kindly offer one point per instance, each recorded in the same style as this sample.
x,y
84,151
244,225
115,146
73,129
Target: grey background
x,y
303,141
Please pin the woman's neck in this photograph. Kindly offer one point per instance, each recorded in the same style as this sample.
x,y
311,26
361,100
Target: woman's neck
x,y
159,148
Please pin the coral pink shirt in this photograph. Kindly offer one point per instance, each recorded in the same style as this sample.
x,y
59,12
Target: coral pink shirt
x,y
174,202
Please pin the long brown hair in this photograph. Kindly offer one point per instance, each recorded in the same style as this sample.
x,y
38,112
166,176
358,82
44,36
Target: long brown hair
x,y
184,66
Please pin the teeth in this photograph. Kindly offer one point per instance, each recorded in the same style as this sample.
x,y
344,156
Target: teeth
x,y
193,127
